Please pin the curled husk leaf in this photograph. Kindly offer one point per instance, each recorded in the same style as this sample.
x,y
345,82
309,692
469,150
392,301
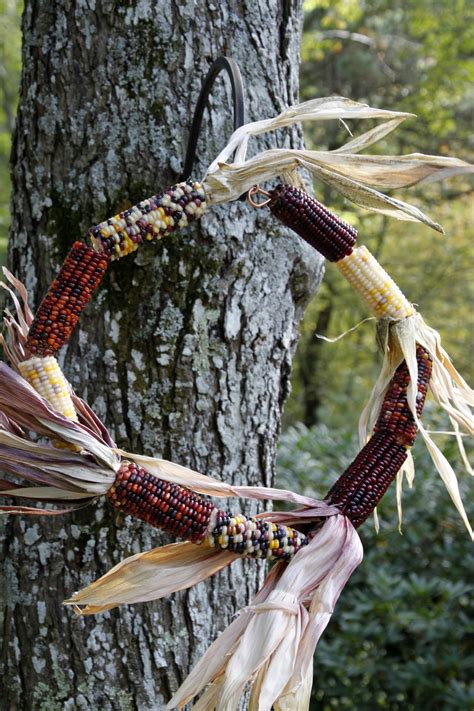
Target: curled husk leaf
x,y
358,177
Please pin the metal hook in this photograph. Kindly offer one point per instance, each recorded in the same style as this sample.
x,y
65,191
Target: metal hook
x,y
232,69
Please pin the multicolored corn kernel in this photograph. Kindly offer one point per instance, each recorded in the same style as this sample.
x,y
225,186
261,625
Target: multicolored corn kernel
x,y
69,293
358,491
160,503
374,285
195,518
255,538
46,377
150,220
317,225
395,415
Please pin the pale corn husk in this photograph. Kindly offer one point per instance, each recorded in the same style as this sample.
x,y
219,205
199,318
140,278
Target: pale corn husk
x,y
299,699
449,389
71,473
408,471
271,644
355,176
151,576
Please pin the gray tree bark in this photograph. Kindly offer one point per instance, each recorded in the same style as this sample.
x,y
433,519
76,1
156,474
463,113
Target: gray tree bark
x,y
186,351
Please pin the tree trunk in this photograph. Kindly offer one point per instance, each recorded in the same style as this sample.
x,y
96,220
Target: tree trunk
x,y
186,351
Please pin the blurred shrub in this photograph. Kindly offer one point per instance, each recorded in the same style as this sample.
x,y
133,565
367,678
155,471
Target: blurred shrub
x,y
402,636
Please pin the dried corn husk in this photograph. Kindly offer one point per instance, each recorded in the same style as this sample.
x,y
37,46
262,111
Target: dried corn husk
x,y
271,644
355,176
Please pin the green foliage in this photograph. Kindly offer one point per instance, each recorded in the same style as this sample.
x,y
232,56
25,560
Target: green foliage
x,y
402,635
10,65
416,56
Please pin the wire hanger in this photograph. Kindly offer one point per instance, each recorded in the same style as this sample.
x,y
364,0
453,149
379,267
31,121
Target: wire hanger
x,y
221,64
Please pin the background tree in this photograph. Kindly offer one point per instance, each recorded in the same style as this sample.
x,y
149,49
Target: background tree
x,y
186,351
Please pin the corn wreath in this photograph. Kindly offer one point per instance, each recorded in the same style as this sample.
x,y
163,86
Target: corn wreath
x,y
315,546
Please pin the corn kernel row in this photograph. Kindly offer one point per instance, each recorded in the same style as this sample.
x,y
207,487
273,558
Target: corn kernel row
x,y
46,377
149,220
374,285
312,221
358,491
69,293
255,538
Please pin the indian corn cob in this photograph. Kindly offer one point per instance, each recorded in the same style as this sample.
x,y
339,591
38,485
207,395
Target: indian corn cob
x,y
46,377
193,517
149,220
254,537
358,491
374,285
69,293
317,225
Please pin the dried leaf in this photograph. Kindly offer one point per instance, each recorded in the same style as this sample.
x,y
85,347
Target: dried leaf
x,y
151,575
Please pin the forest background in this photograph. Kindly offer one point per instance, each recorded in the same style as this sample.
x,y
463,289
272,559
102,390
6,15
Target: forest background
x,y
400,637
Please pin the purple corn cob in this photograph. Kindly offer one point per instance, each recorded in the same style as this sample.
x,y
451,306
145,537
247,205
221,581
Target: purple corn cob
x,y
322,229
358,491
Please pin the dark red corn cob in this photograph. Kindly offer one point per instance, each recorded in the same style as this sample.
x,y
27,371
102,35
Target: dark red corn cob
x,y
358,491
69,293
395,415
161,504
317,225
193,517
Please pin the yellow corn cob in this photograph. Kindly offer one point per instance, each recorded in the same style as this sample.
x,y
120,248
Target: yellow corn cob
x,y
46,377
374,285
